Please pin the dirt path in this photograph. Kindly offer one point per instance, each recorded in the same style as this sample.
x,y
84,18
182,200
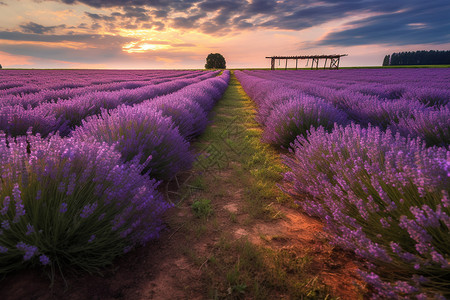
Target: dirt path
x,y
243,240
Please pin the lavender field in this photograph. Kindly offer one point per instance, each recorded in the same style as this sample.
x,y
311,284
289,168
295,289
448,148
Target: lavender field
x,y
368,155
82,154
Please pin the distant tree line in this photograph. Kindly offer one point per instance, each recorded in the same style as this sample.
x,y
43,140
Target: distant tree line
x,y
423,57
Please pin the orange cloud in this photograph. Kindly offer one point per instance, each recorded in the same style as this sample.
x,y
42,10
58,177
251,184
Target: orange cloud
x,y
10,61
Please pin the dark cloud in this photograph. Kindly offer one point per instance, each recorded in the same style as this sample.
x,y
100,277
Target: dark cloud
x,y
420,23
383,21
262,6
188,22
97,17
159,25
3,3
161,13
32,27
176,4
137,13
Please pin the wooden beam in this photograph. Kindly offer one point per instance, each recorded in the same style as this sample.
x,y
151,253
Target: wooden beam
x,y
334,60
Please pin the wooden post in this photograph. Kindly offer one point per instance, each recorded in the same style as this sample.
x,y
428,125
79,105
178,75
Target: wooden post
x,y
325,64
272,63
296,63
285,67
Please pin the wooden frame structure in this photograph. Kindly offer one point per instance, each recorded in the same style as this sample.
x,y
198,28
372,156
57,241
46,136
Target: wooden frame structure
x,y
334,60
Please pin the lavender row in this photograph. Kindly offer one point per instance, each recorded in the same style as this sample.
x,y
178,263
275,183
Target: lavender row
x,y
28,81
63,116
429,86
63,91
71,203
158,128
81,201
410,117
436,78
384,197
381,195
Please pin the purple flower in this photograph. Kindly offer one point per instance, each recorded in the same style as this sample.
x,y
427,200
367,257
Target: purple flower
x,y
20,210
30,229
88,210
6,225
3,249
44,259
5,208
29,250
91,239
63,208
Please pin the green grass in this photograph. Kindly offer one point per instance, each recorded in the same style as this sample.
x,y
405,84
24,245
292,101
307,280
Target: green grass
x,y
202,208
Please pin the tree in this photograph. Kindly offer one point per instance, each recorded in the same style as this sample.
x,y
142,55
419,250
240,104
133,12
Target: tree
x,y
215,61
0,66
423,57
386,60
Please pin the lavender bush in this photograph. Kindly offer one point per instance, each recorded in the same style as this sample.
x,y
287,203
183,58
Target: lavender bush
x,y
140,132
431,125
384,197
186,114
295,117
71,203
428,96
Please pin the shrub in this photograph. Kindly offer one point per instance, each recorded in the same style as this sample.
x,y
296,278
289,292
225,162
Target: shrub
x,y
71,203
178,111
431,125
428,96
140,132
297,116
385,197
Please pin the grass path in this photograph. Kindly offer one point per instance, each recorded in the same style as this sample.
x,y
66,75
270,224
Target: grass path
x,y
231,235
242,232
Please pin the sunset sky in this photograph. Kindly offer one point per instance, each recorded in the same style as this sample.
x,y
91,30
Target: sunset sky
x,y
138,34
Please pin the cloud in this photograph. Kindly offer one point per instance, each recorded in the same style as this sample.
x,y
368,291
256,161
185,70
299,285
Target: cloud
x,y
420,23
220,17
91,39
378,21
97,17
32,27
187,22
177,4
61,53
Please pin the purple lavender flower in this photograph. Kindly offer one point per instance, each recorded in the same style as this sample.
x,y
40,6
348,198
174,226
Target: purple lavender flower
x,y
29,250
20,209
6,225
63,208
30,229
91,239
5,207
44,260
88,210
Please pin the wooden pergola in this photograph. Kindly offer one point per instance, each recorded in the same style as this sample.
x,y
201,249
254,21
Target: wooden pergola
x,y
334,60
